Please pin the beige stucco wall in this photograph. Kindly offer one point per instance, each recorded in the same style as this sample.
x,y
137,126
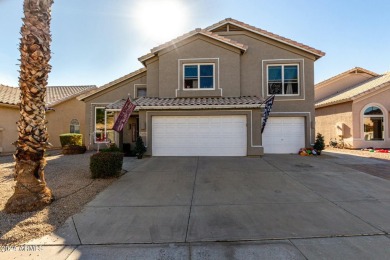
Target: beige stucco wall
x,y
152,77
334,86
198,49
8,130
59,120
327,119
382,99
262,52
105,97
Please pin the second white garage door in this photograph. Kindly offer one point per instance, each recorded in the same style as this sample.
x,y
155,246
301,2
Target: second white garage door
x,y
284,135
199,135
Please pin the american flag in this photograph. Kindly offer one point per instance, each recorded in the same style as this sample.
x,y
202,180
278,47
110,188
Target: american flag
x,y
268,106
124,115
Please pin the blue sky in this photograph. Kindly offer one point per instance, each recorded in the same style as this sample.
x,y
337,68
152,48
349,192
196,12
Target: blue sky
x,y
97,41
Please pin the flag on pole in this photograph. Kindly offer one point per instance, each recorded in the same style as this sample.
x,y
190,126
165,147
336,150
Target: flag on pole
x,y
124,115
268,106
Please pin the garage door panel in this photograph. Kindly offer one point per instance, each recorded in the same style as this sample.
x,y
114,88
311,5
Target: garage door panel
x,y
284,135
199,135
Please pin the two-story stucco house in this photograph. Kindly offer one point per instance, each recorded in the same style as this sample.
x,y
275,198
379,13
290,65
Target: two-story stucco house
x,y
201,94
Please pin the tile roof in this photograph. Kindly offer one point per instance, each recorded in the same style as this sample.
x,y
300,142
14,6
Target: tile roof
x,y
351,71
265,33
110,84
199,103
197,31
357,91
54,94
9,95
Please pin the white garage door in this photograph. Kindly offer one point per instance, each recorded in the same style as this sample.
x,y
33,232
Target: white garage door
x,y
199,135
284,135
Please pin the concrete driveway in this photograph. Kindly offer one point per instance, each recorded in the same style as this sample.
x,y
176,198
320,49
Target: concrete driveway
x,y
277,206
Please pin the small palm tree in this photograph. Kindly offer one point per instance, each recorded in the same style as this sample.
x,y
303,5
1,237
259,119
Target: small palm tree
x,y
31,192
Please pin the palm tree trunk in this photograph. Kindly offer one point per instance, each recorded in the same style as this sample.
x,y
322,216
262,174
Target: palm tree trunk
x,y
31,192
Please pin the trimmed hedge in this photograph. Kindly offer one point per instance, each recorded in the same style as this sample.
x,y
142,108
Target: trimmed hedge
x,y
112,148
71,139
106,164
74,149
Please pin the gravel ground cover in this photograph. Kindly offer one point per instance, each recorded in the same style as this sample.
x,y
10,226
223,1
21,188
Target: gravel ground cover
x,y
69,179
384,156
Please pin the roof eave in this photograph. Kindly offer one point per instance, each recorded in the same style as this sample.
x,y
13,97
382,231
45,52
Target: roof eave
x,y
84,96
380,87
200,107
317,55
70,97
9,105
146,57
333,103
155,50
343,75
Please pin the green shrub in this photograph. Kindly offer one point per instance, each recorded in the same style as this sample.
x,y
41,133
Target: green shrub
x,y
71,139
140,148
74,149
319,144
112,148
106,164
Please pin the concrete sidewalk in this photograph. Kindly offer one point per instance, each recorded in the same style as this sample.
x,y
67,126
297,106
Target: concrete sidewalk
x,y
277,206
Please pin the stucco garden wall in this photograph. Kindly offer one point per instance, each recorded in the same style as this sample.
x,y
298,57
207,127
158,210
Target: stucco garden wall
x,y
8,130
328,117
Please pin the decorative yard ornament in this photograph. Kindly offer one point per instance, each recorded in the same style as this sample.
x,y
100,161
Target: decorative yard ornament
x,y
267,110
31,192
124,115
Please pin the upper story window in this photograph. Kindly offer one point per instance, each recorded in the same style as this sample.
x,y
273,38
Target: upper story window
x,y
199,76
283,79
141,92
74,126
373,124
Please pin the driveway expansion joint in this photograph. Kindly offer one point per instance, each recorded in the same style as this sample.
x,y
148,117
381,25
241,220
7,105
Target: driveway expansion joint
x,y
77,233
192,198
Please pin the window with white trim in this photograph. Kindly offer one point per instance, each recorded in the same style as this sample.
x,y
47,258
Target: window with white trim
x,y
373,124
141,92
199,76
74,126
104,121
283,79
99,124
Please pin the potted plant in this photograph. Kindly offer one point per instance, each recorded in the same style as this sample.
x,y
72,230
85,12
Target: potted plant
x,y
140,148
319,144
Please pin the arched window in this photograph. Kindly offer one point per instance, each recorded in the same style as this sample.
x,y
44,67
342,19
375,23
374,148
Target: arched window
x,y
74,126
373,124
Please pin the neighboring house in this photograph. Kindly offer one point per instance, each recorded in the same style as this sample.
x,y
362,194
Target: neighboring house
x,y
354,106
68,114
201,94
